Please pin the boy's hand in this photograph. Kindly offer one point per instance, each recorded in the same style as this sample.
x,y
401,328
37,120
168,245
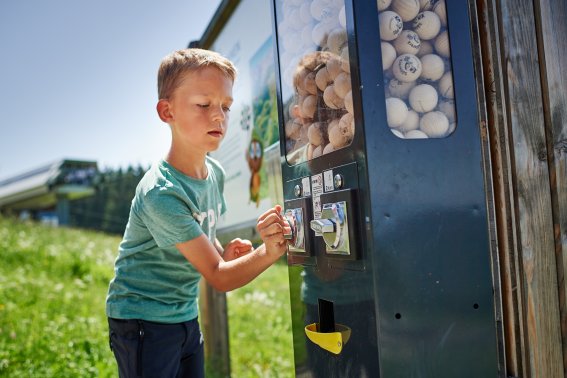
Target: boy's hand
x,y
272,226
236,248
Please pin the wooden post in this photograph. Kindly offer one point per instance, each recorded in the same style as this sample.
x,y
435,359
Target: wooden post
x,y
214,324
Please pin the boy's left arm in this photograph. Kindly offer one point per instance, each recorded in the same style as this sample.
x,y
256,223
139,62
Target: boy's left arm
x,y
234,249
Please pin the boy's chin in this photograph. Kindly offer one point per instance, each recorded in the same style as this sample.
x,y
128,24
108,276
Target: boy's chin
x,y
213,147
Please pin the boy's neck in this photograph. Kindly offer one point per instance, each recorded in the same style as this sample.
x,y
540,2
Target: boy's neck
x,y
192,166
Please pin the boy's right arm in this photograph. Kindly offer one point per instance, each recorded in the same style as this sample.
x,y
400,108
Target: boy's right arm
x,y
229,275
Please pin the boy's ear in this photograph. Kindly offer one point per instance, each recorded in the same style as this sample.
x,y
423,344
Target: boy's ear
x,y
164,110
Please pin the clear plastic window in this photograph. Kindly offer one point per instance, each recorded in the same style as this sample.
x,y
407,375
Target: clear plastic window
x,y
418,77
316,83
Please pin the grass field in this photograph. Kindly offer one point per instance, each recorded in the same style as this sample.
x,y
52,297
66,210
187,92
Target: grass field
x,y
53,284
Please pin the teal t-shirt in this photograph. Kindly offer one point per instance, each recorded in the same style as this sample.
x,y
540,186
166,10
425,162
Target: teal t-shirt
x,y
153,280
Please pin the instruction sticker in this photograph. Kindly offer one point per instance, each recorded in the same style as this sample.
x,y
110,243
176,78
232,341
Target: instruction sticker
x,y
306,186
317,190
329,182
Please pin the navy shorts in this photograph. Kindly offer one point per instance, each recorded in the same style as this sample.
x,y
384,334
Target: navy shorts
x,y
149,349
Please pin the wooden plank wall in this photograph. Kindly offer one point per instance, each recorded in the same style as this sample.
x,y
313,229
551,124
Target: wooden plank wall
x,y
552,39
522,45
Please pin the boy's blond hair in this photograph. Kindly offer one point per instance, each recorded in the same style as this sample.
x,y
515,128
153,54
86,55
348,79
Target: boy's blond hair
x,y
178,63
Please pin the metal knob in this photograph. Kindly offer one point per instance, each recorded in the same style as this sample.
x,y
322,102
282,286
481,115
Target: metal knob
x,y
294,218
331,225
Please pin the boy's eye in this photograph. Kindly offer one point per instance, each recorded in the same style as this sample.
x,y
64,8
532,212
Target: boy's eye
x,y
203,105
226,108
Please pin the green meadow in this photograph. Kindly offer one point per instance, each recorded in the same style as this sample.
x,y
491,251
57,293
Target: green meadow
x,y
53,284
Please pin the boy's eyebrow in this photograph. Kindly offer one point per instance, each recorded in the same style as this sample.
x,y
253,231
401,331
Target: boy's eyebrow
x,y
228,98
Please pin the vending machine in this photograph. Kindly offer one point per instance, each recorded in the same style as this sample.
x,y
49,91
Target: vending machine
x,y
382,170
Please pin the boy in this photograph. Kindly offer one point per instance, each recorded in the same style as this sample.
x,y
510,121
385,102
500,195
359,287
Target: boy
x,y
170,240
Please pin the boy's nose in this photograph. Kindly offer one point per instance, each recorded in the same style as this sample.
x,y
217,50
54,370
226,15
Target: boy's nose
x,y
219,113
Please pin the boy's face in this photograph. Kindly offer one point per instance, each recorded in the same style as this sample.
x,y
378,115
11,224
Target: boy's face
x,y
199,109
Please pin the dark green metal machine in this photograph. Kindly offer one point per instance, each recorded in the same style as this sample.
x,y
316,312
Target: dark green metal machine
x,y
382,166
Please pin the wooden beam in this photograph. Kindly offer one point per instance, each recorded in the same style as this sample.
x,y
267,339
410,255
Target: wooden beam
x,y
480,34
504,202
552,32
531,183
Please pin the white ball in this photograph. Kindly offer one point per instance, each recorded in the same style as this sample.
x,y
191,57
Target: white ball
x,y
292,42
407,67
334,66
408,42
425,48
426,4
332,99
400,89
320,10
411,122
342,17
306,37
423,98
348,103
318,151
442,44
283,27
345,59
397,133
452,128
396,111
391,25
336,39
407,9
388,55
383,4
448,108
432,67
446,85
305,13
441,12
415,134
320,32
337,4
427,25
342,84
328,149
285,58
295,20
434,124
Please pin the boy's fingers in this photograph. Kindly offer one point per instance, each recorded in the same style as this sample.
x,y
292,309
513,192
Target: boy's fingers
x,y
271,230
275,210
271,219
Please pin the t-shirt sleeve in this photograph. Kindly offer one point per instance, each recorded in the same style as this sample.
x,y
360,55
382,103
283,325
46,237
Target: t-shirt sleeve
x,y
169,218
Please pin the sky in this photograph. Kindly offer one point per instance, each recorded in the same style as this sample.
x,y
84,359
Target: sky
x,y
78,78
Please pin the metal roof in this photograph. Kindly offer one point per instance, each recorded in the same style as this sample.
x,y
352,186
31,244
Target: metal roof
x,y
40,181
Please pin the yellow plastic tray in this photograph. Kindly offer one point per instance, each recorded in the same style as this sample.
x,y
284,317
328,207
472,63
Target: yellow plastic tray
x,y
330,341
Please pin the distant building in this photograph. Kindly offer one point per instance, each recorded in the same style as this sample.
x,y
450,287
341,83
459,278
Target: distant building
x,y
44,193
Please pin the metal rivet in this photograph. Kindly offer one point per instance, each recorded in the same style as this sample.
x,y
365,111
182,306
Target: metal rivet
x,y
297,190
338,181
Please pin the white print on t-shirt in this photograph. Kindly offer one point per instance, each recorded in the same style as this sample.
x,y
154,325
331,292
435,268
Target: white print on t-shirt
x,y
212,217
